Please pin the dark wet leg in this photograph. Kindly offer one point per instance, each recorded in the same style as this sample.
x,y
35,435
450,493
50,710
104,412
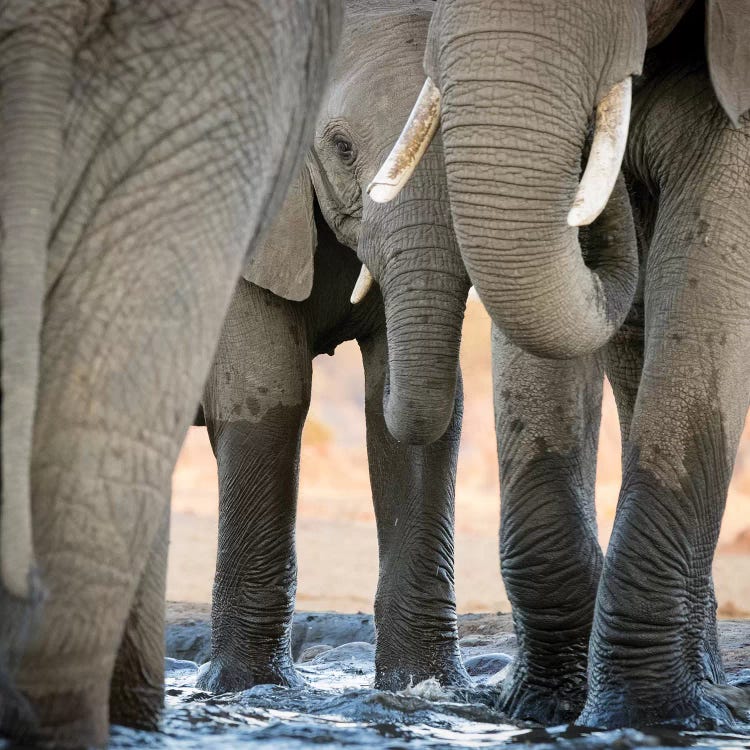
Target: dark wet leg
x,y
255,406
547,419
413,490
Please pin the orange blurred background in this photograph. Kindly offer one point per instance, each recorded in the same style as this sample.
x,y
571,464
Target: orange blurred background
x,y
336,540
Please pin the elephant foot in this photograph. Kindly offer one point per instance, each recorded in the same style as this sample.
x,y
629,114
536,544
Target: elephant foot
x,y
138,708
557,701
661,682
547,681
398,673
219,676
71,719
17,719
706,707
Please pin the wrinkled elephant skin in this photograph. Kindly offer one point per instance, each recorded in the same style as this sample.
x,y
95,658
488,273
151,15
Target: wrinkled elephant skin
x,y
678,363
163,137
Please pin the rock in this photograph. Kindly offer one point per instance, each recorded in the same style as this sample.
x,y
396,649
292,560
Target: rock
x,y
734,641
188,634
483,665
330,629
487,624
179,665
472,641
741,679
348,653
189,640
312,651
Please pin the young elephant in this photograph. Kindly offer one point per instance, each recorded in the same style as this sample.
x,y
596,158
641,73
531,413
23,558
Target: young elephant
x,y
258,393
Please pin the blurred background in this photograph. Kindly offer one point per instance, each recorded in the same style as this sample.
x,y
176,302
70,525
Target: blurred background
x,y
336,542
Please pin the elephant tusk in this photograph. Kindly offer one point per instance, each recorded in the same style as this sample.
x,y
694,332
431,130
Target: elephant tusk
x,y
605,159
364,282
410,146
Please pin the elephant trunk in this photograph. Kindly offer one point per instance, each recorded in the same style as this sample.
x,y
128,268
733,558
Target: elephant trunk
x,y
424,287
35,75
513,167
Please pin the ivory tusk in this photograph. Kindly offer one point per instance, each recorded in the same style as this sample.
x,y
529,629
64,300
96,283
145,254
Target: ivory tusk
x,y
410,146
364,282
605,159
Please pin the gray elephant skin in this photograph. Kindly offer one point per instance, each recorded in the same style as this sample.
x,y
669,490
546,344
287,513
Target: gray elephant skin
x,y
258,393
628,639
144,147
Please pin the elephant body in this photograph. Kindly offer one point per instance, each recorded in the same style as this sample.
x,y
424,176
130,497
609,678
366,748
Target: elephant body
x,y
408,329
628,638
145,146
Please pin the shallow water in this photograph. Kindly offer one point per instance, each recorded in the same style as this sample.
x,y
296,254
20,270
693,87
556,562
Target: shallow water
x,y
338,709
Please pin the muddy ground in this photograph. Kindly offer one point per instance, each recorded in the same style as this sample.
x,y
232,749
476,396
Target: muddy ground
x,y
189,635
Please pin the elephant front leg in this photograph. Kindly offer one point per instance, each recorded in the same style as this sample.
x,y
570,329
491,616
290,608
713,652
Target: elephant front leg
x,y
94,530
256,567
547,421
654,654
654,647
255,406
136,696
413,491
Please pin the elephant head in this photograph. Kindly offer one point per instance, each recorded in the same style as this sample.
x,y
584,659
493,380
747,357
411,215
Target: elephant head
x,y
515,85
408,247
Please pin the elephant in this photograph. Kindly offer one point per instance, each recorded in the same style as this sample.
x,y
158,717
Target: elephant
x,y
628,638
258,392
145,147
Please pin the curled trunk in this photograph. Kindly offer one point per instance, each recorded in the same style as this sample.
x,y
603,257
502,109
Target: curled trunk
x,y
35,73
513,167
411,246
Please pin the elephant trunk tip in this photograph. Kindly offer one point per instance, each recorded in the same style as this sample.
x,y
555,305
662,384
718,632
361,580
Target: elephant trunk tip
x,y
413,424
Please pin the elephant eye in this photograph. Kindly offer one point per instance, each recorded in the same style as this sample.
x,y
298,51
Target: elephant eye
x,y
344,150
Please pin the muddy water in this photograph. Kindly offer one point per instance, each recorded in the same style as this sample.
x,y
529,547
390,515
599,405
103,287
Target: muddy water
x,y
339,709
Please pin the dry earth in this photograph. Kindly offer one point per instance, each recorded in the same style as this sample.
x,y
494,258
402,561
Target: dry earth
x,y
336,533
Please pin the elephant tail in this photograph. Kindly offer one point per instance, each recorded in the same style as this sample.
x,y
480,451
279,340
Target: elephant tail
x,y
36,56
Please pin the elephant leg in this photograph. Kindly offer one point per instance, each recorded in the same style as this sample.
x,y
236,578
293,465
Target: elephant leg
x,y
413,489
547,423
255,405
623,355
165,180
131,322
110,420
16,622
654,655
623,363
136,695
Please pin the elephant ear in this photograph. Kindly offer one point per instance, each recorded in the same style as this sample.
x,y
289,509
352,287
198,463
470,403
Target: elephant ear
x,y
283,260
728,46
